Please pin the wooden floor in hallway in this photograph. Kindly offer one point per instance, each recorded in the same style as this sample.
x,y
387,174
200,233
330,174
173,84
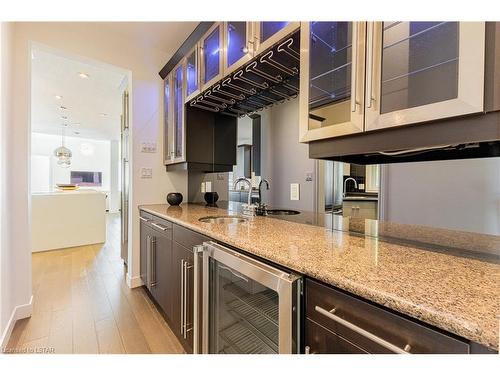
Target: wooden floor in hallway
x,y
82,305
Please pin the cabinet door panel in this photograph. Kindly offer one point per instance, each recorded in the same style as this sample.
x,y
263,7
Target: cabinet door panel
x,y
178,113
168,126
211,56
182,255
237,49
270,32
192,74
421,71
144,233
322,341
162,263
331,79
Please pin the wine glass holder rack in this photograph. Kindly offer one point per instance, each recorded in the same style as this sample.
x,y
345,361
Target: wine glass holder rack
x,y
270,78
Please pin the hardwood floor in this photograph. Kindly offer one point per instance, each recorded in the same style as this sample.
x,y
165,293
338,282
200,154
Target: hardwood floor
x,y
82,305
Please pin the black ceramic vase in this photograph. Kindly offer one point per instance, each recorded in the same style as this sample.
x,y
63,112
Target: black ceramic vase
x,y
174,199
211,197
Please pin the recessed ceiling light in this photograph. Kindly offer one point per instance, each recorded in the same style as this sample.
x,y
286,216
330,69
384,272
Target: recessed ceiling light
x,y
64,117
77,133
103,114
83,75
63,108
58,97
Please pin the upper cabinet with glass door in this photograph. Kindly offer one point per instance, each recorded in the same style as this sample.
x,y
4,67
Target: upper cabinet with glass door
x,y
178,114
192,73
268,33
422,71
332,70
238,44
211,55
168,124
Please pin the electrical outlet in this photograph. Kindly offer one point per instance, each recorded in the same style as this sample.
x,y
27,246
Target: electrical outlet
x,y
294,192
148,147
309,177
146,172
361,186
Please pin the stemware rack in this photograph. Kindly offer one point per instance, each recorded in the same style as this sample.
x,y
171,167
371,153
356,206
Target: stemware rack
x,y
270,78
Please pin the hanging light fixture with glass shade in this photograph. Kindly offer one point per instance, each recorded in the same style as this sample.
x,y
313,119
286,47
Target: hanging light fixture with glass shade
x,y
62,153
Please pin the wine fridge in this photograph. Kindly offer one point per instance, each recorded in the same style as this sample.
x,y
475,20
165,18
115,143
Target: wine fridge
x,y
243,305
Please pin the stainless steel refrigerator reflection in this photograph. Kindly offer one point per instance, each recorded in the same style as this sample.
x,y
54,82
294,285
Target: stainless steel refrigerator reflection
x,y
242,305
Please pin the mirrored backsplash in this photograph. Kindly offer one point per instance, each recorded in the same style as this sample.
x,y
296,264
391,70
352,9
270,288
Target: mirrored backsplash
x,y
451,204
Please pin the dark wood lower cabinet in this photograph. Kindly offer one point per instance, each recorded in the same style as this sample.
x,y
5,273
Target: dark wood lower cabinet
x,y
182,295
369,327
161,288
323,341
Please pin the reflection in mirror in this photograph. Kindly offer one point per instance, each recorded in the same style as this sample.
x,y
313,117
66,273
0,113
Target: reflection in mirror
x,y
351,190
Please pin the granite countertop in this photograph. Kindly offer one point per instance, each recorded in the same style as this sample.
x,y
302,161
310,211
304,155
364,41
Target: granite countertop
x,y
455,293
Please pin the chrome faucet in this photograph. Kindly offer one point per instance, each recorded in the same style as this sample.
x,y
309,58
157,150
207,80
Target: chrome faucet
x,y
260,188
247,180
345,184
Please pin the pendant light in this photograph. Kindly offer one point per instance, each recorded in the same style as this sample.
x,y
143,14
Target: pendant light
x,y
63,154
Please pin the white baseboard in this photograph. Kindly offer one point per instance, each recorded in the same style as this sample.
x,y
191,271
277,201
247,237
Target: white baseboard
x,y
19,312
134,282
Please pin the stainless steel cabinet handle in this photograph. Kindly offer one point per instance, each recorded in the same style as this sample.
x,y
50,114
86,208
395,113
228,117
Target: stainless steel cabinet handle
x,y
160,227
234,273
354,66
196,305
330,314
143,219
153,262
182,297
148,261
187,267
369,64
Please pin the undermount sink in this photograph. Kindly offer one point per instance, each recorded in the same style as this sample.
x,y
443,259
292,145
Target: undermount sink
x,y
223,219
282,212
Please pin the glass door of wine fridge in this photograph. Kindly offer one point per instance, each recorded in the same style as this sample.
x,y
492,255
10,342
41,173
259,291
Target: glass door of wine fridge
x,y
248,307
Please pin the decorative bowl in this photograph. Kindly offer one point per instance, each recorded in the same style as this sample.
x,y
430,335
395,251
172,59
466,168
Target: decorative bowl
x,y
174,199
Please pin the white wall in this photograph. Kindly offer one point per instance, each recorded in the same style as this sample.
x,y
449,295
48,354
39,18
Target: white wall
x,y
99,160
455,194
92,42
15,261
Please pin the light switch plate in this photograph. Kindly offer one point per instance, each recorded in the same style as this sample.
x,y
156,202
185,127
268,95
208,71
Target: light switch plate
x,y
203,188
146,172
294,192
361,186
148,147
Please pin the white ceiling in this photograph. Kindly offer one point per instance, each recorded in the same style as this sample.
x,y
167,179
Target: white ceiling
x,y
87,99
164,36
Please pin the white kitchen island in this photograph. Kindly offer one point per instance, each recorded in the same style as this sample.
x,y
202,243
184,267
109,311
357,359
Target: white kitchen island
x,y
63,219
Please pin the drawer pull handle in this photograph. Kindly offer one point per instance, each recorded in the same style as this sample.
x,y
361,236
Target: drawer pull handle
x,y
144,219
160,227
331,315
